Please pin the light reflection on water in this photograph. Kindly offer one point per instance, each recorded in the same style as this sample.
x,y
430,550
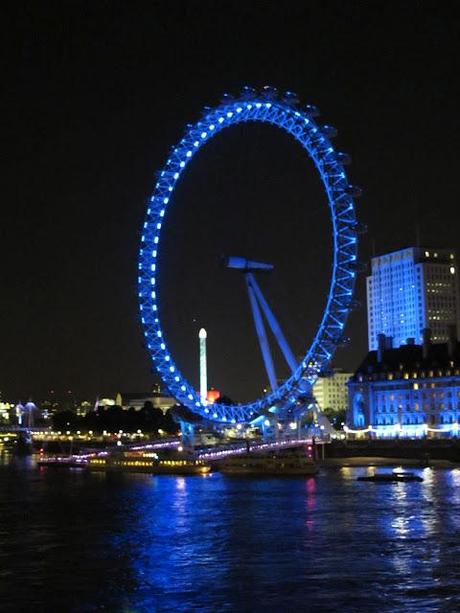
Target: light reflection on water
x,y
96,542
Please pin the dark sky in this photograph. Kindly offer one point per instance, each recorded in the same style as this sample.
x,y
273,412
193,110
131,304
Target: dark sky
x,y
95,93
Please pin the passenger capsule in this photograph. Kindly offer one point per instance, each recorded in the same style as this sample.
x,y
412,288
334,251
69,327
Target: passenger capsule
x,y
269,93
290,98
312,110
354,191
343,158
329,131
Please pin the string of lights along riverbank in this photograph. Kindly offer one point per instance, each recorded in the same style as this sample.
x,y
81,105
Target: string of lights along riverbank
x,y
290,399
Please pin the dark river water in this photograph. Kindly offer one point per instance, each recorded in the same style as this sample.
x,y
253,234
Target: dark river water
x,y
72,541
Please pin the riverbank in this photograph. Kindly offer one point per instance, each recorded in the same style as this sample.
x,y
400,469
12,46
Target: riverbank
x,y
443,453
366,461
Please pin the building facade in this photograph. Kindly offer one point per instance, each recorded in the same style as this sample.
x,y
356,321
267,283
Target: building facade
x,y
137,400
412,391
410,290
5,412
332,392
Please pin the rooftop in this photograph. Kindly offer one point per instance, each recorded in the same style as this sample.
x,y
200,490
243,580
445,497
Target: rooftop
x,y
411,358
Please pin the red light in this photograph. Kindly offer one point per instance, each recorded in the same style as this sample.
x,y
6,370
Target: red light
x,y
212,396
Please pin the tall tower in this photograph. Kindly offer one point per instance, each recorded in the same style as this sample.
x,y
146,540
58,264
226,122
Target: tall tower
x,y
410,290
202,335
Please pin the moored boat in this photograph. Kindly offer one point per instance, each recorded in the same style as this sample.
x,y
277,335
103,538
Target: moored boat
x,y
391,477
284,462
148,463
62,462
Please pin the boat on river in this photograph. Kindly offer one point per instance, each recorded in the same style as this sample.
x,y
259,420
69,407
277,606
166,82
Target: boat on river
x,y
148,463
391,477
277,463
62,462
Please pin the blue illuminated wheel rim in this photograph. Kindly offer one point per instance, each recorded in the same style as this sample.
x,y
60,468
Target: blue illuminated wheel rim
x,y
300,123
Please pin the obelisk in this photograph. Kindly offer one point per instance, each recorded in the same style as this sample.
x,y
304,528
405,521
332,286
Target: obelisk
x,y
203,366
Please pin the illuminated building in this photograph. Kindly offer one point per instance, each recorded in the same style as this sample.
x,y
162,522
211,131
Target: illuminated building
x,y
19,411
5,408
158,399
412,391
105,402
410,290
83,408
332,392
29,411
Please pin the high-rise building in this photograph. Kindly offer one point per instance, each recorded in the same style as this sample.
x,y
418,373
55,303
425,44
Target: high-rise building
x,y
410,290
331,392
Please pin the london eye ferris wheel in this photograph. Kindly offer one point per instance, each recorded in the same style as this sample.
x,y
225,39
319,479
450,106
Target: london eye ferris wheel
x,y
284,112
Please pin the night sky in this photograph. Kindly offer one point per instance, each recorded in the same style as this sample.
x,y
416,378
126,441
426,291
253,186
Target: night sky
x,y
94,95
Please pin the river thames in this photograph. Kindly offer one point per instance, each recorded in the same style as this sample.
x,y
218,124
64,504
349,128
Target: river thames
x,y
75,541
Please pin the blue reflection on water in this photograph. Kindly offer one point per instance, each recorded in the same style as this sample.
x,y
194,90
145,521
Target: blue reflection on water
x,y
247,544
140,543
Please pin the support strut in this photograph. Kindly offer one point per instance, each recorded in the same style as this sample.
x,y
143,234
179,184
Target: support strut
x,y
260,329
272,322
